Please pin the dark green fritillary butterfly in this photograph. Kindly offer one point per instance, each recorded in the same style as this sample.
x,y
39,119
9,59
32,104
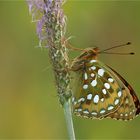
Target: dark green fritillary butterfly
x,y
99,91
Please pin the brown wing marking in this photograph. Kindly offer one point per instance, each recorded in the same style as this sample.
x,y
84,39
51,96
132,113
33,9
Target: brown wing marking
x,y
132,92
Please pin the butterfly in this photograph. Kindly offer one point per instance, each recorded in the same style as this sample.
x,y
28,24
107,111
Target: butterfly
x,y
99,91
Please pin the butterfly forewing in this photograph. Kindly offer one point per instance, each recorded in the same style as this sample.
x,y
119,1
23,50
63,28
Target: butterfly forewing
x,y
100,93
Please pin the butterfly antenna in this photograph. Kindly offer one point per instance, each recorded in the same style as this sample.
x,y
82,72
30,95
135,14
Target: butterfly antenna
x,y
122,45
131,53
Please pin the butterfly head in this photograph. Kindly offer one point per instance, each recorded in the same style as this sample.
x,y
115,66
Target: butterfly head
x,y
86,55
93,51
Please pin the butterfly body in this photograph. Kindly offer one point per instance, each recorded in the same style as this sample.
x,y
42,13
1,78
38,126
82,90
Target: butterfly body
x,y
100,92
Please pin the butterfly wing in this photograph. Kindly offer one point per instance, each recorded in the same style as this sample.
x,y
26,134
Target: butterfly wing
x,y
127,111
101,93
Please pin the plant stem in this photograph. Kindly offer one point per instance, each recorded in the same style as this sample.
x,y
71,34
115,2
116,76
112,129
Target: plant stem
x,y
69,121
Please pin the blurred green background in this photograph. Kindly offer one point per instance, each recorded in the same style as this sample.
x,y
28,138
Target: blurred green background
x,y
29,106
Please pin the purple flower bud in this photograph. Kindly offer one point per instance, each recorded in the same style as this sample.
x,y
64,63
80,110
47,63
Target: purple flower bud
x,y
49,17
